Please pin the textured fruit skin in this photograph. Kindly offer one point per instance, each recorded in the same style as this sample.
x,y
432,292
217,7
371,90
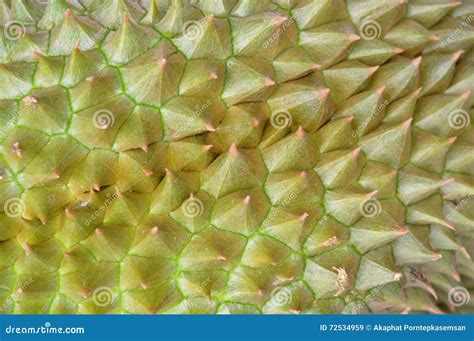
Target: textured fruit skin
x,y
235,156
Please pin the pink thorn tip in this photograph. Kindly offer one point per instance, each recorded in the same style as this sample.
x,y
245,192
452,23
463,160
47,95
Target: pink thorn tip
x,y
208,147
295,311
398,50
350,119
213,75
457,277
162,62
323,94
372,194
417,92
449,226
20,290
154,230
402,2
457,54
406,125
77,46
69,14
143,285
125,17
416,62
434,37
69,214
96,187
99,232
380,90
233,150
373,69
56,175
446,181
255,122
279,20
220,257
465,95
394,172
353,37
455,4
436,256
402,229
209,127
210,18
303,174
452,139
168,172
300,132
247,200
269,82
356,152
147,172
315,66
144,147
43,220
304,216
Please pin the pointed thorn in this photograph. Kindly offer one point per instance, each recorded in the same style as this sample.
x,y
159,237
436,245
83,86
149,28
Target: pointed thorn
x,y
324,93
449,226
154,230
402,229
372,194
144,285
220,257
417,92
406,125
380,90
96,187
126,19
465,253
457,55
269,82
350,119
247,200
168,172
280,20
373,69
295,311
356,152
444,182
315,66
30,100
43,220
56,175
398,50
99,232
394,172
233,151
209,127
455,4
353,37
144,147
303,217
213,75
210,18
452,139
465,95
90,79
162,62
397,276
77,46
69,214
207,147
148,172
416,62
69,14
20,290
436,256
434,37
300,132
303,174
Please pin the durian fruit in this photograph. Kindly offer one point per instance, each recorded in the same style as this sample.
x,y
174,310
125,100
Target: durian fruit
x,y
236,156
